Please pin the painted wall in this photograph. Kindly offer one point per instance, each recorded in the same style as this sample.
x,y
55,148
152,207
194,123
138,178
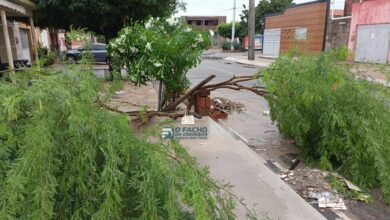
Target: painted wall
x,y
368,12
310,15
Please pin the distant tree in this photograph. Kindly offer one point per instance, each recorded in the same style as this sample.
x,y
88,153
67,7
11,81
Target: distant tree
x,y
100,16
225,30
263,8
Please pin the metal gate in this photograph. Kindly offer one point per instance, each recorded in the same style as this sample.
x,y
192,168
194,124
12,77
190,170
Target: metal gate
x,y
373,43
271,45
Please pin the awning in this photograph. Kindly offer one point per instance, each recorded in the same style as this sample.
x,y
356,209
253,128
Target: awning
x,y
22,7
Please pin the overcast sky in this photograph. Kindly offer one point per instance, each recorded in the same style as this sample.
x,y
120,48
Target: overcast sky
x,y
225,7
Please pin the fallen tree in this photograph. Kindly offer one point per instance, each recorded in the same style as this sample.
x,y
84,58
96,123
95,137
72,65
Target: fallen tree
x,y
63,156
341,123
169,111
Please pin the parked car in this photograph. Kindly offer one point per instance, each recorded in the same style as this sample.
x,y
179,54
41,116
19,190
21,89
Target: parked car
x,y
98,51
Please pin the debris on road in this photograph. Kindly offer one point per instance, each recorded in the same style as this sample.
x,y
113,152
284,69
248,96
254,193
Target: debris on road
x,y
266,113
352,186
295,164
335,203
218,114
227,105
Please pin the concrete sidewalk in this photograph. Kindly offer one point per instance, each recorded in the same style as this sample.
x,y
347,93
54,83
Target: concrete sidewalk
x,y
230,159
238,57
260,62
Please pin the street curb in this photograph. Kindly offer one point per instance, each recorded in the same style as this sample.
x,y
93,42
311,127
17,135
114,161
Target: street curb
x,y
212,58
246,62
232,132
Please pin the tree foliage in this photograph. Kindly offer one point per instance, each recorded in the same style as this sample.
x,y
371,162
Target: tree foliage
x,y
159,50
100,16
64,157
225,30
341,123
263,8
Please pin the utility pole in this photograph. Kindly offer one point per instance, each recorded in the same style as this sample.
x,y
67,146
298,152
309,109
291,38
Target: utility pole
x,y
233,24
251,30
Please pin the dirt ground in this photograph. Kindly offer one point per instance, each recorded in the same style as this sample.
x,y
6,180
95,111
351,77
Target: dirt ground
x,y
374,71
135,98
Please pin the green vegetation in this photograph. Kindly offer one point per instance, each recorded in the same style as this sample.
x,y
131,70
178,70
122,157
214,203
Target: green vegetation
x,y
159,50
100,16
342,123
78,34
225,30
63,156
226,45
263,8
46,57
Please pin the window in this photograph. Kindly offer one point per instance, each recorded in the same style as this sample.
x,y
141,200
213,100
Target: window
x,y
301,33
211,22
189,22
98,47
198,23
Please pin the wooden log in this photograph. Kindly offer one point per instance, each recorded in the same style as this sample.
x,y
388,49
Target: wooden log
x,y
189,93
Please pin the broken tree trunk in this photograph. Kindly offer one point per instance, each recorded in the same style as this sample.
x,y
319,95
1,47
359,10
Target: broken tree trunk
x,y
233,84
188,94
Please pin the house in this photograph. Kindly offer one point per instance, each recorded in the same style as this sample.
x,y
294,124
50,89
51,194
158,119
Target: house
x,y
206,23
301,25
18,41
369,36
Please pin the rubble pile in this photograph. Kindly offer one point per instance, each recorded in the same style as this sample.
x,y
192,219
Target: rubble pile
x,y
227,105
313,187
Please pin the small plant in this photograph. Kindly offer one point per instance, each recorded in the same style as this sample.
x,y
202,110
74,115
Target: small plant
x,y
226,45
78,34
159,50
46,57
236,45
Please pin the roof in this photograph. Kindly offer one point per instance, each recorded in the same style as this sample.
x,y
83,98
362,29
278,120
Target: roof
x,y
203,17
295,6
26,3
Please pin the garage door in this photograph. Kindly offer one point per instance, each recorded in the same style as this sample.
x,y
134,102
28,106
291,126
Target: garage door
x,y
271,45
373,43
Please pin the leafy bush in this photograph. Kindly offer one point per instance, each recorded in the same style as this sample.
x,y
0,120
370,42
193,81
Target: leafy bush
x,y
78,34
236,45
64,157
159,50
225,30
226,45
341,122
46,57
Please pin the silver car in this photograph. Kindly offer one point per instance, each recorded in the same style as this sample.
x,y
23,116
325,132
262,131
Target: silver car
x,y
98,51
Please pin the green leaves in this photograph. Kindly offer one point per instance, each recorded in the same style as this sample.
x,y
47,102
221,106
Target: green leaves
x,y
159,50
341,122
63,157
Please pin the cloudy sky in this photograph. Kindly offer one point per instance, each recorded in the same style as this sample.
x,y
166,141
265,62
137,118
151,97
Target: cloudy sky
x,y
225,7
